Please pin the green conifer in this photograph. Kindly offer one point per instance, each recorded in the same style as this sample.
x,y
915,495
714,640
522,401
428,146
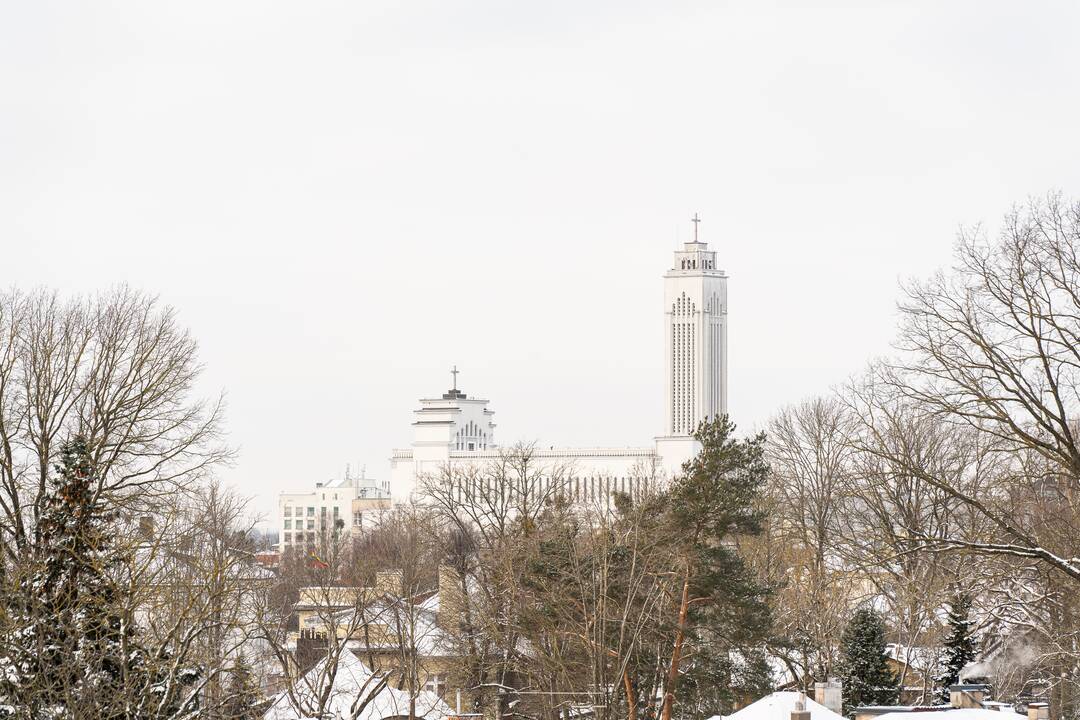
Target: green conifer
x,y
69,648
866,674
715,501
244,701
959,645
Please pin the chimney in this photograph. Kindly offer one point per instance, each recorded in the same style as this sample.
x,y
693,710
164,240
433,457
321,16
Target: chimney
x,y
390,582
968,696
800,712
830,694
1038,711
451,598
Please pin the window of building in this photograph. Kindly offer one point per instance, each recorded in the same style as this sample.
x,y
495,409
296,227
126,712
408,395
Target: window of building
x,y
358,519
337,511
288,511
472,446
286,538
288,524
311,512
310,524
436,684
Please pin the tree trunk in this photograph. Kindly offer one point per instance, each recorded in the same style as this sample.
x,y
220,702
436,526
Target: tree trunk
x,y
676,652
631,699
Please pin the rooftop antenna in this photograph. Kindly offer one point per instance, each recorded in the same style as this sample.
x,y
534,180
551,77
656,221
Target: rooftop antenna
x,y
695,220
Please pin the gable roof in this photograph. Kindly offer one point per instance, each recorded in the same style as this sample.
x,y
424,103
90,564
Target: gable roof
x,y
779,706
352,679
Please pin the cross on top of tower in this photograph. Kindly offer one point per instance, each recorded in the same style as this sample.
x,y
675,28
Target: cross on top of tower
x,y
453,393
696,220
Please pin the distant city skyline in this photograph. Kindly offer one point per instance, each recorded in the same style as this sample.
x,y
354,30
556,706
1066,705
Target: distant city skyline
x,y
342,205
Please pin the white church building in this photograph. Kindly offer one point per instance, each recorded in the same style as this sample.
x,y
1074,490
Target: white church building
x,y
458,431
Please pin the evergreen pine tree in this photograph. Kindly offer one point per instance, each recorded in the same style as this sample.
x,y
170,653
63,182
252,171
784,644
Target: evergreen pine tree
x,y
70,651
244,701
721,615
959,645
867,677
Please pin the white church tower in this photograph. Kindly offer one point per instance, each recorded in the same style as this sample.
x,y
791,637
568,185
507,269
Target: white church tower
x,y
455,427
457,431
695,336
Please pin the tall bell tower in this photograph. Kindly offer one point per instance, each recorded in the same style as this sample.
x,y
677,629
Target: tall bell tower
x,y
695,328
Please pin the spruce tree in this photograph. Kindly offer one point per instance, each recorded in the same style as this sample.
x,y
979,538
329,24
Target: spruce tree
x,y
71,650
959,645
243,700
867,677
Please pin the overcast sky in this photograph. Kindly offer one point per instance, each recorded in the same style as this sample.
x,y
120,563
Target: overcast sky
x,y
343,199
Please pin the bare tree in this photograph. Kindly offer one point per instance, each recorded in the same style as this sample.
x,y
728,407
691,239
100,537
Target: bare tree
x,y
597,590
811,460
493,511
191,584
995,345
113,374
896,520
116,369
312,623
404,551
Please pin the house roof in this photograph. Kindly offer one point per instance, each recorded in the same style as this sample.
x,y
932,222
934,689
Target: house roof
x,y
920,658
778,706
953,714
353,679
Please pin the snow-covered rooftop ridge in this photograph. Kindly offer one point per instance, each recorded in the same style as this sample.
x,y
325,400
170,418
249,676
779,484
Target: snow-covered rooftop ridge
x,y
778,706
351,679
952,714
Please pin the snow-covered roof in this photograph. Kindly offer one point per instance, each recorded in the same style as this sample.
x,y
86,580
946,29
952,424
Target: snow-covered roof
x,y
351,680
920,658
953,714
779,706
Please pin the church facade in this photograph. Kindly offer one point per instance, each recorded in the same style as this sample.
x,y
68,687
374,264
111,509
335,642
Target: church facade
x,y
456,431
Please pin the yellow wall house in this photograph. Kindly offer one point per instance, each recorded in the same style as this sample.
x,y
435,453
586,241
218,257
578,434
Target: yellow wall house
x,y
405,636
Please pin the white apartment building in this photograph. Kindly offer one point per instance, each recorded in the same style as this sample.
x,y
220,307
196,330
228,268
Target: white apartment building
x,y
352,504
